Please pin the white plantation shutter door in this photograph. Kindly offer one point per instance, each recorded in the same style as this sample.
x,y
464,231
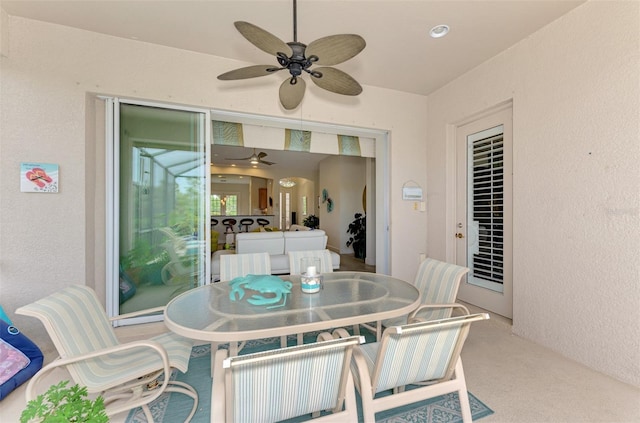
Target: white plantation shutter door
x,y
486,204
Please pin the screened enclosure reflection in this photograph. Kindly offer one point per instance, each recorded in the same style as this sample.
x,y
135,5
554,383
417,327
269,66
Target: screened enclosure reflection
x,y
161,221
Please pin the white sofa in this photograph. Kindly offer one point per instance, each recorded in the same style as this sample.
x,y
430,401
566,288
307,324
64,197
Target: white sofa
x,y
277,244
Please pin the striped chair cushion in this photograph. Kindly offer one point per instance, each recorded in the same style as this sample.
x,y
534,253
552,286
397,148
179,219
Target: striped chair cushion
x,y
438,283
77,318
415,357
326,265
287,386
111,370
235,265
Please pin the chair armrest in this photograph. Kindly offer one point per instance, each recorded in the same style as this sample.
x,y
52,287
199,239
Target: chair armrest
x,y
137,313
218,391
324,336
363,380
412,318
341,333
60,362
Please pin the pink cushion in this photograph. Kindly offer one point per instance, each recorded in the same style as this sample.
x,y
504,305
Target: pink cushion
x,y
12,360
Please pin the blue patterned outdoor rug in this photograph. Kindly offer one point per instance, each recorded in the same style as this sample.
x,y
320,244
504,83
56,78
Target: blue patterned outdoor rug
x,y
173,408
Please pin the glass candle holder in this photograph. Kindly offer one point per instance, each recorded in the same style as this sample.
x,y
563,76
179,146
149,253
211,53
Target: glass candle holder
x,y
310,277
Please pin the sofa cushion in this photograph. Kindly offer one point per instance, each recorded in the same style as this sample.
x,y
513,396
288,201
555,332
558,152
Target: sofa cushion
x,y
260,242
279,264
305,240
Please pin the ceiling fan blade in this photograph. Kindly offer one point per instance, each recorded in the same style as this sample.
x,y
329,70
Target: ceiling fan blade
x,y
291,94
262,39
262,154
266,162
248,72
336,81
335,49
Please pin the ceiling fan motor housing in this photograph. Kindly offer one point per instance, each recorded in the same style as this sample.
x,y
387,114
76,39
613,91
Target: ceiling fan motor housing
x,y
298,63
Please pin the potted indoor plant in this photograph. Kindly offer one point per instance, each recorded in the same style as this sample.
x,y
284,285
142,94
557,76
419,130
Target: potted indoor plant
x,y
358,231
311,221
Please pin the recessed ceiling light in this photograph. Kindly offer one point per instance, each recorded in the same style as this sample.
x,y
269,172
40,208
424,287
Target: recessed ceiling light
x,y
439,31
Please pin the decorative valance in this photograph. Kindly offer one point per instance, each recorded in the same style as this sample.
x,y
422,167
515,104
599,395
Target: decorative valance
x,y
246,135
227,133
349,145
296,140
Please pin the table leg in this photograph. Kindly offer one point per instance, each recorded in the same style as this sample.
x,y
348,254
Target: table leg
x,y
214,348
233,349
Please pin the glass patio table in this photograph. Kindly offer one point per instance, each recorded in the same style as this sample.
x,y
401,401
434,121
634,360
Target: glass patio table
x,y
347,298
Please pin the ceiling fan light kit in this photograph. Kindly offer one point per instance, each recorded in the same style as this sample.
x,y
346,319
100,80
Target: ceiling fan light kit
x,y
298,58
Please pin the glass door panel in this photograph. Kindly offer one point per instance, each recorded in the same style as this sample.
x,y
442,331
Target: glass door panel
x,y
162,227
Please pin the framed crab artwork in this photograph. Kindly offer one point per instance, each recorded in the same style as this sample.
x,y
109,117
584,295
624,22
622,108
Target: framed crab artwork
x,y
39,177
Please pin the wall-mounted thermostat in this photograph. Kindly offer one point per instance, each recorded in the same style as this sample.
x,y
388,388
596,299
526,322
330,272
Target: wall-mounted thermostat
x,y
412,193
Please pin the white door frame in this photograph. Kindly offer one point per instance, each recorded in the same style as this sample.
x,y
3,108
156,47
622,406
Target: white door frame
x,y
470,293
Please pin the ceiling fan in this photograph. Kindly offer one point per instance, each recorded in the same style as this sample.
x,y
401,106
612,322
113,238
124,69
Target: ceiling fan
x,y
255,158
297,57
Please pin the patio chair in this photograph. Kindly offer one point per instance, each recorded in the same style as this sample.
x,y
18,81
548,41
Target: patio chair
x,y
182,246
424,353
326,265
127,375
180,271
236,265
285,383
438,283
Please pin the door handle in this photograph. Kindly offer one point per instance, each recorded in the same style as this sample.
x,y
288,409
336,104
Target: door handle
x,y
459,235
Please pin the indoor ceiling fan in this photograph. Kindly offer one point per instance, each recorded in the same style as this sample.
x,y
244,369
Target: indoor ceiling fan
x,y
256,158
297,58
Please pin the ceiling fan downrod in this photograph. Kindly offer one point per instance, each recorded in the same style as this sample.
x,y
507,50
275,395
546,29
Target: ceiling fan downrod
x,y
295,21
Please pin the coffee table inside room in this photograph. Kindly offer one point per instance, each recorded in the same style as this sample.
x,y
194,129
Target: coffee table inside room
x,y
208,314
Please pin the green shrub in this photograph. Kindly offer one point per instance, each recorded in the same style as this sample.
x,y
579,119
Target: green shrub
x,y
61,405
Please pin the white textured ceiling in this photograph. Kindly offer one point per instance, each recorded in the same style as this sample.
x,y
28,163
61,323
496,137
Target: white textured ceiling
x,y
399,54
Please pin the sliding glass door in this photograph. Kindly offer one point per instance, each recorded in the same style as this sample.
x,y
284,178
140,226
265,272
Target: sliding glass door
x,y
160,216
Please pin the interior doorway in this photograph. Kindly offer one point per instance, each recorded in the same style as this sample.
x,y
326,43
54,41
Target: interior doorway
x,y
379,175
484,211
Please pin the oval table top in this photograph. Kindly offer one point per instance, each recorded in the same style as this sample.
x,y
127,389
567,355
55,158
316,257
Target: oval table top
x,y
208,313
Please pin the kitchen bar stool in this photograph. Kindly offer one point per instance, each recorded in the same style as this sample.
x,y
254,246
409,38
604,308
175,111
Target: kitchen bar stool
x,y
246,223
229,223
262,222
230,236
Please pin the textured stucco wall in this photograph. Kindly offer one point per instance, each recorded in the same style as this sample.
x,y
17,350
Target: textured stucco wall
x,y
575,86
48,240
